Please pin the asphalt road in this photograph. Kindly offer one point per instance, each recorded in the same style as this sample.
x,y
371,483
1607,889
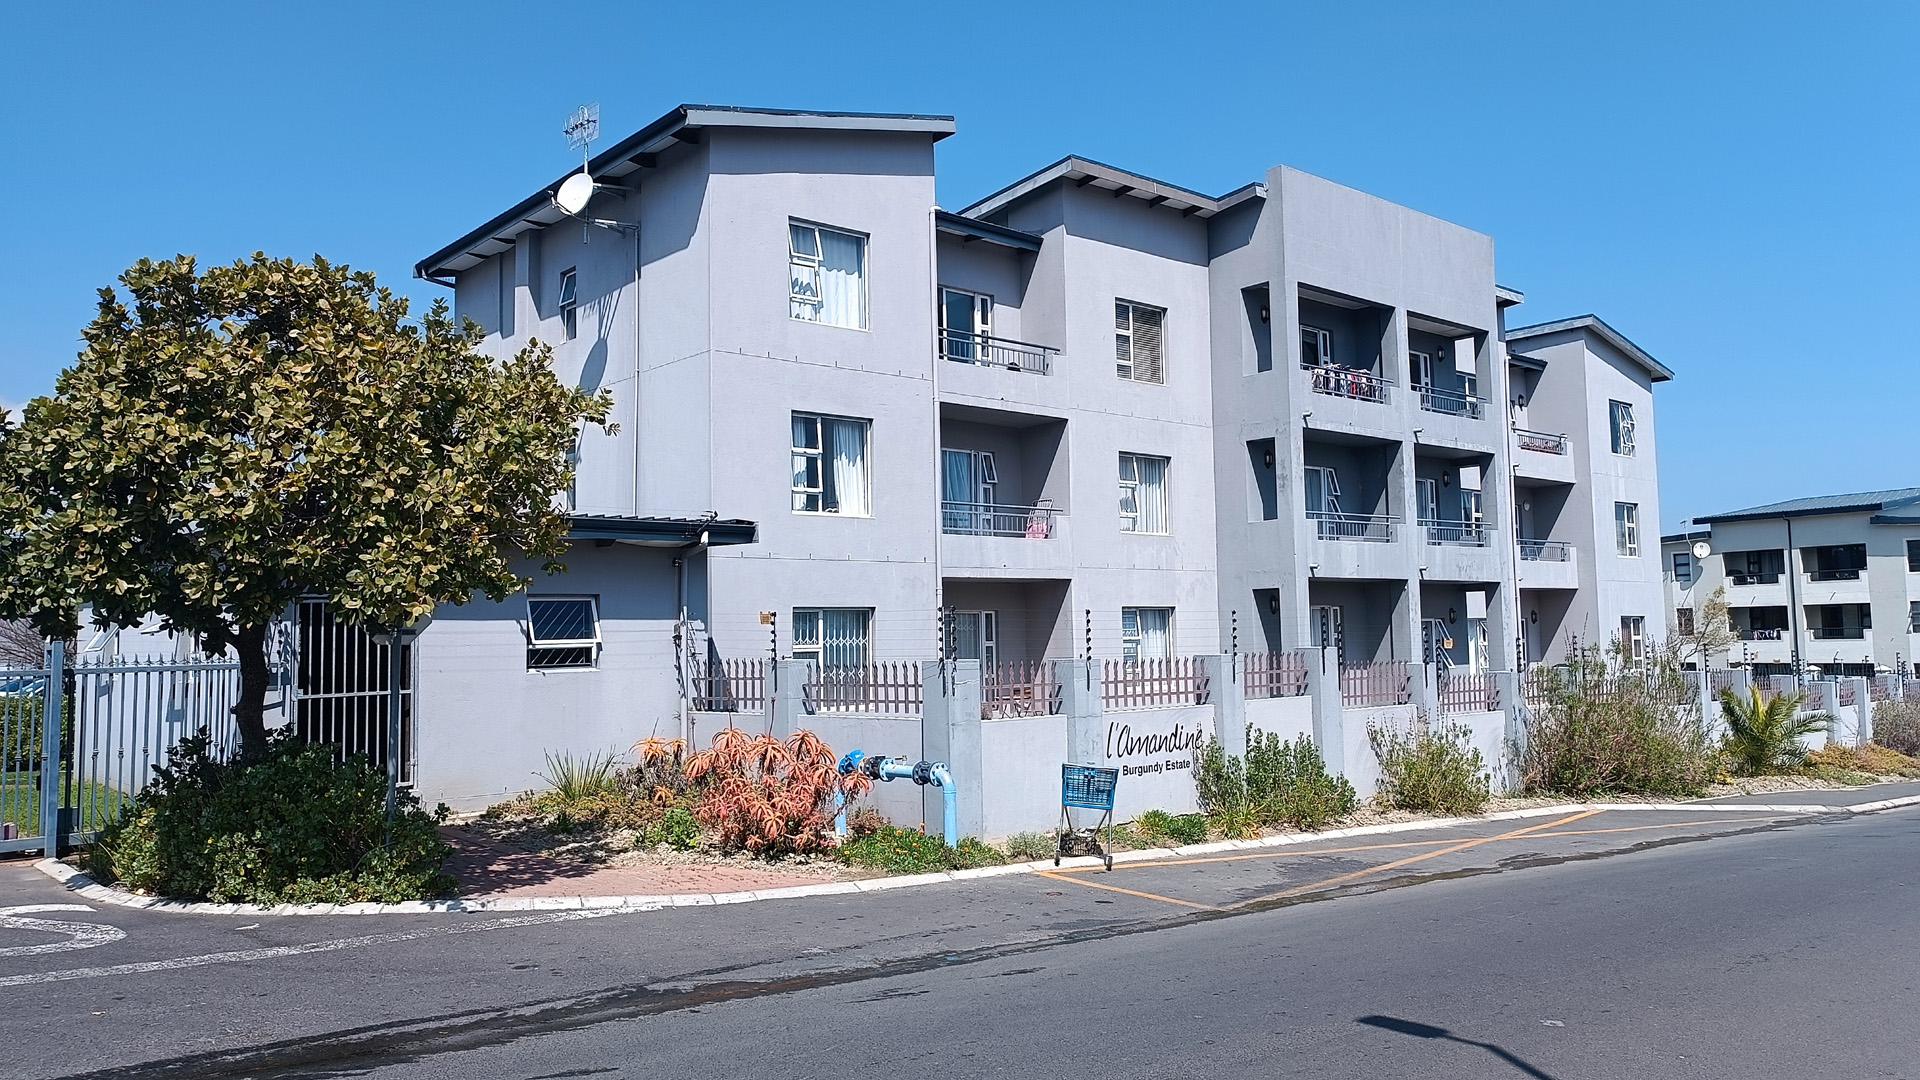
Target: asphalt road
x,y
1621,944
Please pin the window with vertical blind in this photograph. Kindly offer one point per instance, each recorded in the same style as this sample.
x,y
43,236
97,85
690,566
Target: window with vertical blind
x,y
1146,633
1138,343
1143,494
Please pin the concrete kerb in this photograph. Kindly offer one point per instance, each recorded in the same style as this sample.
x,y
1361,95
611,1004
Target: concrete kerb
x,y
84,886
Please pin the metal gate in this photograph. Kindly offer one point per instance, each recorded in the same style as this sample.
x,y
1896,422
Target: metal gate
x,y
340,685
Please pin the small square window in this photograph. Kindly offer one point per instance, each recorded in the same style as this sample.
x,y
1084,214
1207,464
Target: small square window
x,y
569,303
562,632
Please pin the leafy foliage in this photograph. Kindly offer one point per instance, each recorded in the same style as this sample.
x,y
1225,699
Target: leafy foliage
x,y
865,821
1430,768
1278,784
1764,733
1030,846
581,777
768,797
1607,727
231,440
295,826
910,851
1161,827
1896,725
676,827
1870,761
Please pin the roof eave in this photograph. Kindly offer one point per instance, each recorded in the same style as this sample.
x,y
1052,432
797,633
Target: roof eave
x,y
1594,323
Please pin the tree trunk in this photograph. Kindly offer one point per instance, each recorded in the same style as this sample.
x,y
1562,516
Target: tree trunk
x,y
249,712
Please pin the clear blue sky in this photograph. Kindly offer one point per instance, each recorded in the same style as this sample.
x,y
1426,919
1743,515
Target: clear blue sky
x,y
1731,185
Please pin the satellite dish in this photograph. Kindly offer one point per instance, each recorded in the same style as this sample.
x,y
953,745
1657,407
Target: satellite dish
x,y
574,193
1702,549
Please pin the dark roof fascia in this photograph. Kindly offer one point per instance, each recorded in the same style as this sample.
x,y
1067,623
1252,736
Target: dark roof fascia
x,y
721,532
975,229
1199,203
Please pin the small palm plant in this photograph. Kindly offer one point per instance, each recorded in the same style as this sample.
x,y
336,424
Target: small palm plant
x,y
1764,733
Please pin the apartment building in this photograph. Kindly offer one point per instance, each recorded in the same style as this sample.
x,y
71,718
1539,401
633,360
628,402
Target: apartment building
x,y
1092,412
1831,582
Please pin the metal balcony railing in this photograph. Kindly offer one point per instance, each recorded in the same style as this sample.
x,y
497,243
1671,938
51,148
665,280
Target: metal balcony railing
x,y
1753,579
1838,633
1370,528
1452,403
993,519
1349,383
1442,533
1762,634
969,348
1844,573
1545,551
1540,442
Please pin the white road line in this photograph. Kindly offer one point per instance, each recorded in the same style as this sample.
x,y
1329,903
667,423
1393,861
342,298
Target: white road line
x,y
79,935
247,956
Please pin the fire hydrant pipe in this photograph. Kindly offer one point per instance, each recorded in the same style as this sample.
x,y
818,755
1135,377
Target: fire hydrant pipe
x,y
893,768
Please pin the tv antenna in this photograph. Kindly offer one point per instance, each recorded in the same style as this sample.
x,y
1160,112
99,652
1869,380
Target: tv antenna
x,y
576,191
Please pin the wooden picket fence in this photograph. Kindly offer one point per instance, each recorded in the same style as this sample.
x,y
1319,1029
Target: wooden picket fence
x,y
1274,674
738,685
891,687
1369,685
1464,692
1019,688
1154,684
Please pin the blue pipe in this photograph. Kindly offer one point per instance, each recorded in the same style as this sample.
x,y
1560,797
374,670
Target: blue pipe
x,y
898,768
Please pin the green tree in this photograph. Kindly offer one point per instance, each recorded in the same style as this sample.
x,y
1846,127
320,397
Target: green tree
x,y
232,440
1764,733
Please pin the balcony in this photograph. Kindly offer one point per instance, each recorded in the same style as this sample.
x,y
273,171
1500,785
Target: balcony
x,y
1452,403
994,519
1842,574
984,350
1540,442
1753,579
1441,533
1363,528
1542,456
1839,633
1546,564
1557,551
1350,383
1766,633
992,540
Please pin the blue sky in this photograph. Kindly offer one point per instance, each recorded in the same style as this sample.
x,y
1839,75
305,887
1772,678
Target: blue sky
x,y
1731,185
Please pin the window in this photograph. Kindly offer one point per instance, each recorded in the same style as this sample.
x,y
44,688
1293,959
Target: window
x,y
1326,632
972,636
1633,637
1143,494
966,322
1146,633
830,465
1323,491
573,472
1471,512
1913,556
1429,491
1316,347
1137,343
1683,621
968,485
828,273
835,639
1626,529
562,632
569,303
1620,420
1422,365
1913,616
1683,567
503,276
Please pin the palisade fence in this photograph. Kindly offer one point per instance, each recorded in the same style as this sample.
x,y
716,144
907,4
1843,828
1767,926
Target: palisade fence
x,y
1880,689
1012,688
891,687
1155,684
1720,679
1386,682
1274,674
1468,691
1846,694
1819,697
737,685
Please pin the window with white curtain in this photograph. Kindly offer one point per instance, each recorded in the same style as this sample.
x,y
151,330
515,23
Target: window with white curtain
x,y
830,473
1143,494
828,275
1626,528
1139,342
1146,633
562,632
1620,424
837,639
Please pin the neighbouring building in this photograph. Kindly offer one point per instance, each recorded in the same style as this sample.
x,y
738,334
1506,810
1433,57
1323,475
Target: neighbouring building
x,y
1091,414
1831,582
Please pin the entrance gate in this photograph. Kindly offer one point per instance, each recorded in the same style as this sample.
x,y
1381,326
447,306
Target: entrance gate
x,y
340,688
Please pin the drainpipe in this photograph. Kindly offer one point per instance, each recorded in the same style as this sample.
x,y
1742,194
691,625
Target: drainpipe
x,y
1793,602
681,645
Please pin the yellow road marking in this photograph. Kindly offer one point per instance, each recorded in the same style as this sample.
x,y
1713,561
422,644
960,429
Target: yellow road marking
x,y
1243,856
1464,845
1644,828
1128,892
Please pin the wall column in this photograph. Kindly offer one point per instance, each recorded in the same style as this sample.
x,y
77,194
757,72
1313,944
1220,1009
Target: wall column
x,y
950,733
1229,694
786,692
1329,712
1083,708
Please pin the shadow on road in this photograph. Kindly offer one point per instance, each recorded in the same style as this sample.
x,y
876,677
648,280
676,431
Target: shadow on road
x,y
1428,1031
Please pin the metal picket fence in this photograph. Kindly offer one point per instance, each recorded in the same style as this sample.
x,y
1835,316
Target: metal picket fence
x,y
1388,682
1019,688
1154,684
1466,692
1274,674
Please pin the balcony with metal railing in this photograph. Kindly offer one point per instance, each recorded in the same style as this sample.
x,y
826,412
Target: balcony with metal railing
x,y
995,519
1363,528
1546,564
1557,551
1003,540
985,350
1353,384
1451,402
1540,455
1440,532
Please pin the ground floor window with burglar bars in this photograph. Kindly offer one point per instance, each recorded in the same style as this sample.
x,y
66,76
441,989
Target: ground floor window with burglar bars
x,y
1146,633
562,632
835,639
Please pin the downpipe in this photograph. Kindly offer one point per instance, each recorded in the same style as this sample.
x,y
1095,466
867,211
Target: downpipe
x,y
887,769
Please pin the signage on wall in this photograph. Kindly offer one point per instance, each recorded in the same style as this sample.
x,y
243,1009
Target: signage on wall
x,y
1152,753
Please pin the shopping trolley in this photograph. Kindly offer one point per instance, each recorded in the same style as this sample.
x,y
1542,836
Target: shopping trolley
x,y
1085,787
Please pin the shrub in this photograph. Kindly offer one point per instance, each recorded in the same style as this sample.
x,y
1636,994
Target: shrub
x,y
661,776
677,828
1278,783
865,821
770,797
1031,846
1896,725
1429,768
293,826
910,851
1604,729
1871,760
1161,827
1764,733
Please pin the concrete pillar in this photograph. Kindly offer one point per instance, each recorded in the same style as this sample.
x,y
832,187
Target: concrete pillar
x,y
1083,708
786,697
1859,717
950,733
1329,712
1425,679
1226,682
1513,745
